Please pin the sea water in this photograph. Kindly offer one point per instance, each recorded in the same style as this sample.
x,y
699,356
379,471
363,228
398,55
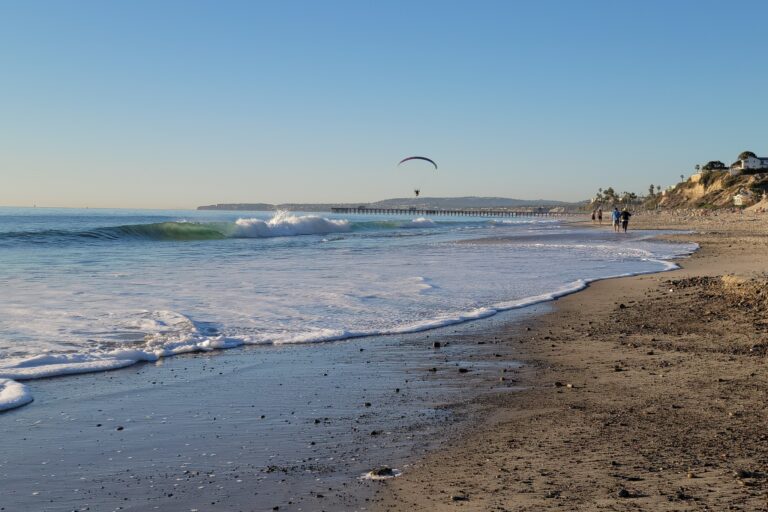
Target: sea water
x,y
93,290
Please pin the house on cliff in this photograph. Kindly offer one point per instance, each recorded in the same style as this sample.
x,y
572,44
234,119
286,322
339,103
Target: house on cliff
x,y
748,162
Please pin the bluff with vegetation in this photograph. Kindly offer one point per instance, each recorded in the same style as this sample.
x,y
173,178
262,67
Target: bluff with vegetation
x,y
712,189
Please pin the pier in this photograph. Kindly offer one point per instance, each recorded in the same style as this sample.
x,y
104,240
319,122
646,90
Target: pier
x,y
535,212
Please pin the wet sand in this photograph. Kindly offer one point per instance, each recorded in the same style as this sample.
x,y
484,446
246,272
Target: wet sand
x,y
248,429
646,393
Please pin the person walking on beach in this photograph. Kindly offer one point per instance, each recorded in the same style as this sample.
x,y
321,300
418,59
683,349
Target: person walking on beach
x,y
615,218
625,215
593,216
600,215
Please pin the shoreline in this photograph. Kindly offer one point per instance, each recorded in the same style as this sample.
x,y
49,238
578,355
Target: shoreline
x,y
14,378
226,430
633,401
471,402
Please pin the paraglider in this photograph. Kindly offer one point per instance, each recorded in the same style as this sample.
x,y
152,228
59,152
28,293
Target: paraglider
x,y
418,158
417,191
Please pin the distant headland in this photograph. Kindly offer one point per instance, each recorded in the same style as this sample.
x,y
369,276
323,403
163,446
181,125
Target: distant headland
x,y
425,203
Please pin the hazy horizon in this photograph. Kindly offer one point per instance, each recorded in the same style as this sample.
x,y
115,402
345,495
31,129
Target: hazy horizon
x,y
175,105
421,198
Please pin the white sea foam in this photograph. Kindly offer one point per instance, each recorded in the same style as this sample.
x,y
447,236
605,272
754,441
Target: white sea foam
x,y
183,337
125,304
288,224
13,394
420,222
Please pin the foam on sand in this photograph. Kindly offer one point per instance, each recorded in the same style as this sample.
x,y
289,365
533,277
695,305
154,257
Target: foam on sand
x,y
13,394
177,334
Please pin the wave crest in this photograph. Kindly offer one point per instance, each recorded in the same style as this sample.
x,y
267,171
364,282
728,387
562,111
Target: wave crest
x,y
287,224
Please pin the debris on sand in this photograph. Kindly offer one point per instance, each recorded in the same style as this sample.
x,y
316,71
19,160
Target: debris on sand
x,y
381,473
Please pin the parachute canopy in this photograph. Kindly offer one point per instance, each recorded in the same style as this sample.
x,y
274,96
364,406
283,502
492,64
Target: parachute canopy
x,y
418,158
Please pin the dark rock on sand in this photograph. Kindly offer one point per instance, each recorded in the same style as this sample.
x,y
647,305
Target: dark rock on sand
x,y
385,471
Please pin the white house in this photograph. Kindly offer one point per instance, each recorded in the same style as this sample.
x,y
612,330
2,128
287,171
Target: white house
x,y
749,163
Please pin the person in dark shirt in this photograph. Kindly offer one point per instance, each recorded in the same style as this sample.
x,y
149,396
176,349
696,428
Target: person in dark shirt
x,y
625,215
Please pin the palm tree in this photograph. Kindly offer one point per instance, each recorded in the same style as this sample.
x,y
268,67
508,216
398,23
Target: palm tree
x,y
682,178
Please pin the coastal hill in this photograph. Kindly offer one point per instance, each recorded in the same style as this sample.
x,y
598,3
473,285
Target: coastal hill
x,y
426,203
715,189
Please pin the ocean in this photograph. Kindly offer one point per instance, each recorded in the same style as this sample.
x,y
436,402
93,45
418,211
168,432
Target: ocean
x,y
89,290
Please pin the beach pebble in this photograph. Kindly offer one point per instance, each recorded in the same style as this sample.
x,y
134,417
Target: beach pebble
x,y
459,497
743,473
383,471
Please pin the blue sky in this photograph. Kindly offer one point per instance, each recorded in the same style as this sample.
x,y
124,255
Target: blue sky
x,y
180,103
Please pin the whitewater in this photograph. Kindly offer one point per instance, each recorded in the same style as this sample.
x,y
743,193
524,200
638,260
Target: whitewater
x,y
96,290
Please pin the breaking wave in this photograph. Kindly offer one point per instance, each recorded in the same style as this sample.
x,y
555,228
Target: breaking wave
x,y
282,224
286,224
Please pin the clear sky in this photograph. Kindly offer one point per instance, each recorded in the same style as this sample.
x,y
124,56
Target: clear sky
x,y
180,103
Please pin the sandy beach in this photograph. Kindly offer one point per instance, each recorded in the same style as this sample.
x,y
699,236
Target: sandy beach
x,y
644,393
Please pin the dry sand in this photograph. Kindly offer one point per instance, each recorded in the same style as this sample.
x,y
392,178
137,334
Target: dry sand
x,y
646,393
